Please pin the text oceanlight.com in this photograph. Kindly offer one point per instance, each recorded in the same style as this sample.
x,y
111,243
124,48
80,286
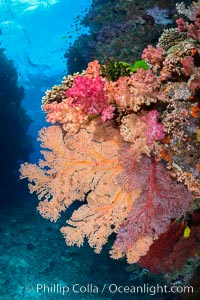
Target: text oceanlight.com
x,y
112,288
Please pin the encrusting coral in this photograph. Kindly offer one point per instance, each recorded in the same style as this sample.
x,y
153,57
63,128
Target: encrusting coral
x,y
128,149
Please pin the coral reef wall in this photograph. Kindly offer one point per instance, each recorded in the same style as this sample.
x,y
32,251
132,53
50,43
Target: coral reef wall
x,y
124,142
119,30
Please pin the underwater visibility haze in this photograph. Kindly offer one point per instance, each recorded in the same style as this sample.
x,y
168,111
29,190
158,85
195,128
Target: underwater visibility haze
x,y
100,151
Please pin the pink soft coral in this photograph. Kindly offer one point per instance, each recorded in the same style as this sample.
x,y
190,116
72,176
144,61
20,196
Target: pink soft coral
x,y
193,30
191,70
154,129
88,93
154,56
188,65
133,92
93,69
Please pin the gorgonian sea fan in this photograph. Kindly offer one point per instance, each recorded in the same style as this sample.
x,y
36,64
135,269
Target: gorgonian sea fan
x,y
160,201
74,165
136,200
171,250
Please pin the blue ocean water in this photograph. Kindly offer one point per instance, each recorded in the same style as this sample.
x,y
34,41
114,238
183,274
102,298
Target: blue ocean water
x,y
35,35
35,262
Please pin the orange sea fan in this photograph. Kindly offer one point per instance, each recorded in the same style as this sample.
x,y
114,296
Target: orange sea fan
x,y
73,166
51,179
100,217
107,204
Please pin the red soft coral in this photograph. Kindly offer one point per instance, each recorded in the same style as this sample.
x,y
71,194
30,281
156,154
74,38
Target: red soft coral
x,y
171,250
182,25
